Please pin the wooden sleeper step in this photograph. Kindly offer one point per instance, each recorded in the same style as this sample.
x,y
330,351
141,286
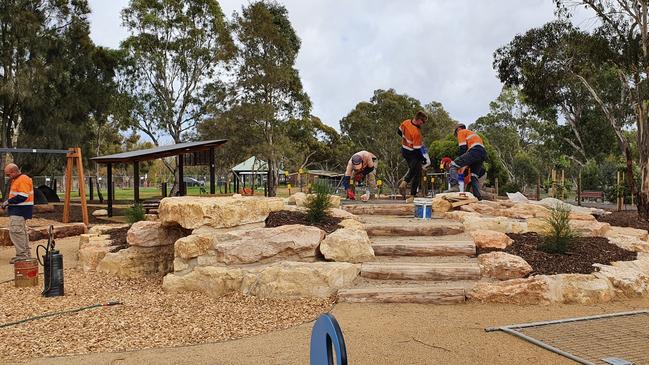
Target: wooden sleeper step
x,y
428,295
420,271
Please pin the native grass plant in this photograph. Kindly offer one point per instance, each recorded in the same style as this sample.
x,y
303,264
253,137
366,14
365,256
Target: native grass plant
x,y
560,236
318,203
135,213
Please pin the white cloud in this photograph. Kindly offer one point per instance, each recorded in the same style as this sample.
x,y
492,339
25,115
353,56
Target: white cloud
x,y
432,50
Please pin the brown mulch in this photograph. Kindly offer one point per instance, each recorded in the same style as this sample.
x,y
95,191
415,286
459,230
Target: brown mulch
x,y
625,218
585,252
148,317
118,238
286,217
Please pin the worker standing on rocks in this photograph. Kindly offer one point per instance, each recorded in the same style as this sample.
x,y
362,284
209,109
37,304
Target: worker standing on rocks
x,y
414,152
472,155
361,166
20,203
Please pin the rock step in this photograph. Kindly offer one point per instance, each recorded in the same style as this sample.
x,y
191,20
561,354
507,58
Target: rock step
x,y
397,209
416,294
421,246
431,228
420,271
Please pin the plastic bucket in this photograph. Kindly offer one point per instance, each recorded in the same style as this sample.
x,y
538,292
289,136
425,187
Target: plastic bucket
x,y
423,208
26,273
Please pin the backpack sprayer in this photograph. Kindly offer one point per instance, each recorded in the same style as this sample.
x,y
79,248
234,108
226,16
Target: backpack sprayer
x,y
52,266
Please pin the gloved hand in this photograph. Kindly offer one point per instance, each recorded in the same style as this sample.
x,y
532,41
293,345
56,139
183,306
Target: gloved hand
x,y
346,182
351,195
426,162
359,177
5,204
365,197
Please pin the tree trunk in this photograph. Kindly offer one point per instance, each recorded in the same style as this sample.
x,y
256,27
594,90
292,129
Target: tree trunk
x,y
642,201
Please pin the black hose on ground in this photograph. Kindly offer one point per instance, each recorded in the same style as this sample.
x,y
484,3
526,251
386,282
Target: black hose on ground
x,y
109,304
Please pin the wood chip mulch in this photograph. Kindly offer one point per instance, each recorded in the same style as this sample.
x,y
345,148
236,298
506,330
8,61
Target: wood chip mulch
x,y
118,238
585,252
625,218
149,317
285,217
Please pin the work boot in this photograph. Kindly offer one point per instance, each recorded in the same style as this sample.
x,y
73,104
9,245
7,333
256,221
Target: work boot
x,y
403,185
13,260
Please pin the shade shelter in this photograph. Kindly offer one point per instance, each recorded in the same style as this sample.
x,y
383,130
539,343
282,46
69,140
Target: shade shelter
x,y
179,150
250,168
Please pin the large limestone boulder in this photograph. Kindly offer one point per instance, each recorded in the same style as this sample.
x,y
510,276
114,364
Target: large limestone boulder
x,y
490,239
211,280
151,234
100,213
347,245
584,289
191,212
533,290
284,279
586,228
440,205
192,246
616,231
628,282
299,279
93,248
267,244
341,213
103,228
135,262
503,266
300,199
460,216
352,224
499,224
526,211
630,243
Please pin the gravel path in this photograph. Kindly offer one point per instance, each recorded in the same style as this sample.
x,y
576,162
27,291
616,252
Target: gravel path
x,y
149,318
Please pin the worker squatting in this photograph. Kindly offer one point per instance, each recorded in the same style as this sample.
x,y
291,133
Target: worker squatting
x,y
472,154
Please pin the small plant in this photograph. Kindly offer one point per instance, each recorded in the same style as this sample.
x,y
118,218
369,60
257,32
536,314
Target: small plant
x,y
318,203
135,213
560,236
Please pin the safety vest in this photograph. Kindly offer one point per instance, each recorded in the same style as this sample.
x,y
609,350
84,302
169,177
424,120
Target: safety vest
x,y
468,138
411,136
22,186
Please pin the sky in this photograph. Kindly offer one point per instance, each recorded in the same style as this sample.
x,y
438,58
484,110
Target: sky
x,y
432,50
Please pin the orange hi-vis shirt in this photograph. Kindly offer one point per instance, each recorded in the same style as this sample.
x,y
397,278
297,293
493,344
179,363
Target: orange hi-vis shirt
x,y
22,186
468,138
411,138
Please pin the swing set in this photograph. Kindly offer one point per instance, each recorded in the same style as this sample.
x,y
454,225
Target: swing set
x,y
73,155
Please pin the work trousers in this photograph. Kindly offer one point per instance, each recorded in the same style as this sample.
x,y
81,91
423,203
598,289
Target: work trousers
x,y
473,159
19,236
413,177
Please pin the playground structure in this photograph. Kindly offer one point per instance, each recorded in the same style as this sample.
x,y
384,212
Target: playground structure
x,y
73,155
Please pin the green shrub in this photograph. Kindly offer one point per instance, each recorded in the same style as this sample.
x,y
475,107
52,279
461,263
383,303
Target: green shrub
x,y
318,203
135,213
560,236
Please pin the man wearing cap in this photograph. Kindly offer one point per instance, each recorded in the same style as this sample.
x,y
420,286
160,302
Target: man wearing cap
x,y
360,166
20,203
472,155
413,151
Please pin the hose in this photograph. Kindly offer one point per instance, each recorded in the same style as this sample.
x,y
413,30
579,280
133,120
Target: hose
x,y
109,304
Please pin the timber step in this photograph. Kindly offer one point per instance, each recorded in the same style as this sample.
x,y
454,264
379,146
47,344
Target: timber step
x,y
431,228
420,271
421,246
417,294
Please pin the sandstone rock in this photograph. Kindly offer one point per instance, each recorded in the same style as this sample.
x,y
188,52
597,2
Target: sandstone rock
x,y
460,216
192,246
279,280
44,208
499,224
582,227
503,266
180,264
135,262
352,223
347,245
628,282
468,208
297,199
191,212
455,195
441,205
576,216
584,289
525,211
300,279
250,246
151,234
381,209
552,203
481,207
340,213
490,239
91,256
100,213
615,231
630,243
60,231
533,290
103,228
211,280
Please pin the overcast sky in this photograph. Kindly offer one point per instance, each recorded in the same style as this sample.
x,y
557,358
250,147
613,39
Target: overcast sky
x,y
429,49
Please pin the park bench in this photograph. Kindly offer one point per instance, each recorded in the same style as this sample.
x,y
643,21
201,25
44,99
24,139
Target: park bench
x,y
592,195
149,205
